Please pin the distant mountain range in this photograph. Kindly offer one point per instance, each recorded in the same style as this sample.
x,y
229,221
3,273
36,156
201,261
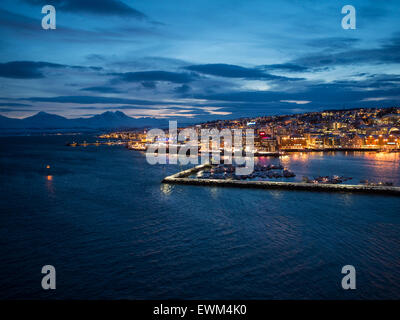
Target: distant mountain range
x,y
106,120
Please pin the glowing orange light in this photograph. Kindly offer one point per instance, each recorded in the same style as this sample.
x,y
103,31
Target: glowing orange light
x,y
47,167
49,178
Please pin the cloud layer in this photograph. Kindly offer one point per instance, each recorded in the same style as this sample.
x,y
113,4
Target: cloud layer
x,y
201,60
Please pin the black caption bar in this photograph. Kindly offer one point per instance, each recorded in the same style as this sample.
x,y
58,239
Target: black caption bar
x,y
198,309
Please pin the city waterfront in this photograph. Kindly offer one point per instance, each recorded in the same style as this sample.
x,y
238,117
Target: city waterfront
x,y
103,218
369,129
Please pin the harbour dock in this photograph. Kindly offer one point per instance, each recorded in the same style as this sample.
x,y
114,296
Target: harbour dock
x,y
183,178
97,143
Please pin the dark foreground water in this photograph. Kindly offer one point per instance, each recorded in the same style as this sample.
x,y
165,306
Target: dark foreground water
x,y
112,231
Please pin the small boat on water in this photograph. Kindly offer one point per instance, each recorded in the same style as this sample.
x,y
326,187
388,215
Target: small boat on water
x,y
335,179
377,184
288,174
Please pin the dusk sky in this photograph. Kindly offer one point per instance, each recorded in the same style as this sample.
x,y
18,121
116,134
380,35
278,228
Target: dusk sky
x,y
197,59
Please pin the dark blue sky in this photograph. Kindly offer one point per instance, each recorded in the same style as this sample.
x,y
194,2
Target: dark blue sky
x,y
197,59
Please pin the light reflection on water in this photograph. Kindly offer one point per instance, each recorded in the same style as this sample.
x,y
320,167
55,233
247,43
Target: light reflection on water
x,y
166,188
49,184
372,166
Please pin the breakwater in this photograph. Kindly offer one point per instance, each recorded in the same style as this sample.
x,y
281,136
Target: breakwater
x,y
186,173
182,178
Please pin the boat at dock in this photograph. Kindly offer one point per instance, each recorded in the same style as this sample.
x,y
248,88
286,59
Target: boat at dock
x,y
335,179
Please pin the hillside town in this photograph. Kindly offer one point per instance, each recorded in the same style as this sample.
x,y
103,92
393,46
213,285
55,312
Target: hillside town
x,y
356,129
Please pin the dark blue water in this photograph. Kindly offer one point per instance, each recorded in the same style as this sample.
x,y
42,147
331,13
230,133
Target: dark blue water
x,y
112,231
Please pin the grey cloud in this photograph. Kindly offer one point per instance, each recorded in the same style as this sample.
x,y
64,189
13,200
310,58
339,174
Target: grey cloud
x,y
101,7
233,71
389,52
175,77
33,69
